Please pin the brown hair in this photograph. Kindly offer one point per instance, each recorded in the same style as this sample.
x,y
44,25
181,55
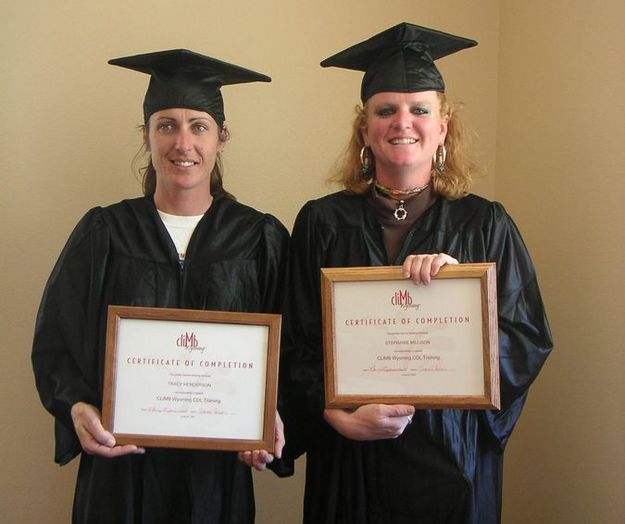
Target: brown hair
x,y
453,183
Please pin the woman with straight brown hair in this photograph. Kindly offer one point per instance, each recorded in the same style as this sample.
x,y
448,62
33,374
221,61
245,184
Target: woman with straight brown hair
x,y
185,244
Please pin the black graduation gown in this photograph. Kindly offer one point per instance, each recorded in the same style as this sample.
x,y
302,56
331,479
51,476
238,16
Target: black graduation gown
x,y
447,465
123,254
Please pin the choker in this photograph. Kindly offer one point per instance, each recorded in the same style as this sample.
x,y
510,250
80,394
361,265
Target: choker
x,y
396,194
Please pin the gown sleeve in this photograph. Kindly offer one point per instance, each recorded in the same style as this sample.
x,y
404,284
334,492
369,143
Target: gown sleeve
x,y
524,335
65,346
301,366
273,264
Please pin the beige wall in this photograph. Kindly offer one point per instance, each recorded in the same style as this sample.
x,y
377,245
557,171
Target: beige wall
x,y
561,172
547,128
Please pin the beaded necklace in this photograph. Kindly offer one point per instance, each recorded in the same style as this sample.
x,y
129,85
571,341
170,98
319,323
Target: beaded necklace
x,y
397,194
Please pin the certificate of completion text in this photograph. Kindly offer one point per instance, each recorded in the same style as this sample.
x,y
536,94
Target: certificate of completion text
x,y
397,338
190,379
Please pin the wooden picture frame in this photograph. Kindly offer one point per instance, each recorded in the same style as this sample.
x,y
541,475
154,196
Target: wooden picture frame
x,y
184,378
387,340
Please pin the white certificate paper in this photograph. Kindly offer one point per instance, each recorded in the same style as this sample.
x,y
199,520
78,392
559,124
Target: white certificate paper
x,y
190,376
412,339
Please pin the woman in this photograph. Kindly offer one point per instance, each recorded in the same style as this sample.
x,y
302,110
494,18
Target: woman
x,y
185,244
406,179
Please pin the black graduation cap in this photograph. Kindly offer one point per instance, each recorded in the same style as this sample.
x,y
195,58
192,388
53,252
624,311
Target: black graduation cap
x,y
400,59
182,78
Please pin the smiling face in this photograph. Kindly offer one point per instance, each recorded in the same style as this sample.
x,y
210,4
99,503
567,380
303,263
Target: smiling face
x,y
403,131
184,144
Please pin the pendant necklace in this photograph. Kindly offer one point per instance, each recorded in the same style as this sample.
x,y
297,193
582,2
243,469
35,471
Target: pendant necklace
x,y
400,212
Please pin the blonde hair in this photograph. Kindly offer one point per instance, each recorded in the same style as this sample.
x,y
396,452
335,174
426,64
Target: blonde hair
x,y
453,183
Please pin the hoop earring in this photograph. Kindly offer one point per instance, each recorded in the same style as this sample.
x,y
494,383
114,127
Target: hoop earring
x,y
365,162
439,159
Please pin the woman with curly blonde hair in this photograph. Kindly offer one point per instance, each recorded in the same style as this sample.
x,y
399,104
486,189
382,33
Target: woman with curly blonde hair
x,y
453,182
406,176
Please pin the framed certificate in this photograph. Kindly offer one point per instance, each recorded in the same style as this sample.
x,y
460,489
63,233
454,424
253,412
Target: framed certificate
x,y
387,340
191,379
